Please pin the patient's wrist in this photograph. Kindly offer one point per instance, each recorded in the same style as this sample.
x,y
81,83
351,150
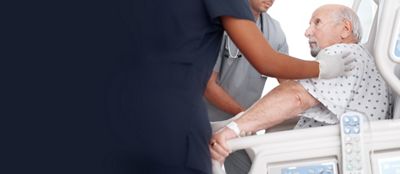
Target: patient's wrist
x,y
236,129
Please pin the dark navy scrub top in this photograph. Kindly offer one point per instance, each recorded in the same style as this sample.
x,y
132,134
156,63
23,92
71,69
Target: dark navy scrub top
x,y
156,109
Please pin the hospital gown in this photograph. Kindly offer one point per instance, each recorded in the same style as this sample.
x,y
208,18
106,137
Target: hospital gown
x,y
362,90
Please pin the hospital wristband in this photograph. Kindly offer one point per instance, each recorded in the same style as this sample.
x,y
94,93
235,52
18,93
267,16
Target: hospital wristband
x,y
234,127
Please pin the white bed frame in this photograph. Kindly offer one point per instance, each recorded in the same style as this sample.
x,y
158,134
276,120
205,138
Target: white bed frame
x,y
320,144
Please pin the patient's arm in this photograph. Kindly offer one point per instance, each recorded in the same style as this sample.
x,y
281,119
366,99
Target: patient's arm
x,y
284,102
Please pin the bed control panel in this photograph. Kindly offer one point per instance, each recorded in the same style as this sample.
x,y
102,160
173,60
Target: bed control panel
x,y
351,124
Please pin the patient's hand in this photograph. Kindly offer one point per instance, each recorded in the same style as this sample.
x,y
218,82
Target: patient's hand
x,y
218,147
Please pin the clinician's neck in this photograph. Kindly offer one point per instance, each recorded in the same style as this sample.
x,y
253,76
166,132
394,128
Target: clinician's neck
x,y
256,14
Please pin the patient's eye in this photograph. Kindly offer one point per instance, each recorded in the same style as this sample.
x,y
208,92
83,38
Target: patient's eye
x,y
317,21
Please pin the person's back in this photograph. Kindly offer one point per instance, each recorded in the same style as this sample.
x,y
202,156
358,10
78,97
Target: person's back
x,y
157,117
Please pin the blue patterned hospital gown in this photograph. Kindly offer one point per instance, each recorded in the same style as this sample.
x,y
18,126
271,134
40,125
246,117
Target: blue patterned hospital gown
x,y
362,89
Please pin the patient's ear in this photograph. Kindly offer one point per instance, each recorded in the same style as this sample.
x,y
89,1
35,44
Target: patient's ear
x,y
347,30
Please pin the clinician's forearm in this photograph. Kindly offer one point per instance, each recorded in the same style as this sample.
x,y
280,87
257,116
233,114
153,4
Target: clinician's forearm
x,y
284,102
217,96
249,39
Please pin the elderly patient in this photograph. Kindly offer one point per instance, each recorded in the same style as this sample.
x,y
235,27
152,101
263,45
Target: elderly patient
x,y
333,29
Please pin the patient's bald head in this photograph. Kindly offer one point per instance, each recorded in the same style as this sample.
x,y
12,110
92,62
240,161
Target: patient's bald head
x,y
331,24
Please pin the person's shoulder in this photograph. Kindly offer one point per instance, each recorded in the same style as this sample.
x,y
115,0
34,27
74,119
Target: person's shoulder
x,y
344,46
356,51
340,47
271,22
269,18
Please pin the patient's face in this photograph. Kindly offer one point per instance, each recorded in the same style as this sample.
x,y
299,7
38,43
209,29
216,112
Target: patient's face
x,y
324,29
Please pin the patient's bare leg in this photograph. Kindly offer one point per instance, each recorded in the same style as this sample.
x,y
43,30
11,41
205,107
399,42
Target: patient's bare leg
x,y
284,102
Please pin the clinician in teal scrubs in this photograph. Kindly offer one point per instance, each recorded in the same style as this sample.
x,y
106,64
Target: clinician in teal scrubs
x,y
157,115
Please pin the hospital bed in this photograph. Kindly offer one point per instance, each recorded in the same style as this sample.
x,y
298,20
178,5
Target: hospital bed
x,y
318,150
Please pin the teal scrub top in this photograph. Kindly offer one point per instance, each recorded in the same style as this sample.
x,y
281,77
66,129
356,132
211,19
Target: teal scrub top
x,y
155,103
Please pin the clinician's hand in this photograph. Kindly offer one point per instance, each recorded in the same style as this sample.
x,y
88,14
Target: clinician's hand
x,y
218,148
331,66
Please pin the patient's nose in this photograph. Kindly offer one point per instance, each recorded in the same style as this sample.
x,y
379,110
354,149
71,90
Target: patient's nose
x,y
308,32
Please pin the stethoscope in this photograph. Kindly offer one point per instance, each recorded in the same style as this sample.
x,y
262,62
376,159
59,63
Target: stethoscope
x,y
229,41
